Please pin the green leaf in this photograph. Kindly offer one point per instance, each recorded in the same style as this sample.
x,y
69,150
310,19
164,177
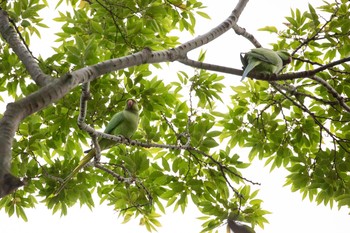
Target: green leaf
x,y
271,29
20,213
96,26
25,23
203,14
32,11
165,164
209,142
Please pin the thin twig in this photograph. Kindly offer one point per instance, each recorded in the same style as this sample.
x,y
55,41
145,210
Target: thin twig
x,y
331,90
129,180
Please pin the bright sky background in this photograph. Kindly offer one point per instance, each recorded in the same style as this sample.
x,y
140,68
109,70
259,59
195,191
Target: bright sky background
x,y
289,213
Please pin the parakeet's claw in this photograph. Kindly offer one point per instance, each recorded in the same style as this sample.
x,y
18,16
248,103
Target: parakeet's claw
x,y
97,157
126,140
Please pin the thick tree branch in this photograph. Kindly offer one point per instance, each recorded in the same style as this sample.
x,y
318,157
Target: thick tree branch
x,y
16,112
207,66
9,34
243,32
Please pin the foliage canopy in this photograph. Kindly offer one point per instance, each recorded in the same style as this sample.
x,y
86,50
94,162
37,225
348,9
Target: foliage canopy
x,y
300,122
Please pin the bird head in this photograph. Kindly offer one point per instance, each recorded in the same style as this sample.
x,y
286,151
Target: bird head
x,y
285,56
131,105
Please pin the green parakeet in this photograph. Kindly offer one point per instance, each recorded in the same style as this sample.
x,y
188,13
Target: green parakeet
x,y
123,123
238,227
264,61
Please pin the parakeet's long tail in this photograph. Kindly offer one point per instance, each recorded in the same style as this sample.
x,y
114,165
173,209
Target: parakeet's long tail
x,y
81,164
249,68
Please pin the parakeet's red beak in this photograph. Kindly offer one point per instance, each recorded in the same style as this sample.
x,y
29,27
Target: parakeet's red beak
x,y
130,103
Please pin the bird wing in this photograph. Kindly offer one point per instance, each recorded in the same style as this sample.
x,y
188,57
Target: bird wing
x,y
116,120
265,55
251,64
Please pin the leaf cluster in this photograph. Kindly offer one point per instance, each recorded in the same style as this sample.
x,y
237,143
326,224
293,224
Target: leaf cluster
x,y
301,125
298,124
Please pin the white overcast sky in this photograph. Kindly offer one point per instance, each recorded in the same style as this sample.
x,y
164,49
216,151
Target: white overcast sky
x,y
289,213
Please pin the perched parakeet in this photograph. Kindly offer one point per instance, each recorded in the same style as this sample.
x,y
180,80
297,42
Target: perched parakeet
x,y
237,227
123,123
264,61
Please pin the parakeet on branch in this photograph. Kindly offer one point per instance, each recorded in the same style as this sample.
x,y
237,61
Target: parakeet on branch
x,y
123,123
264,61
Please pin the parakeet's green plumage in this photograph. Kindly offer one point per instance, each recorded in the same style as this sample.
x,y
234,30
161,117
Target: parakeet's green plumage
x,y
123,123
264,61
238,227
